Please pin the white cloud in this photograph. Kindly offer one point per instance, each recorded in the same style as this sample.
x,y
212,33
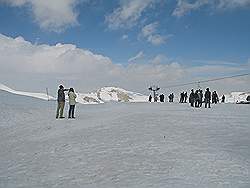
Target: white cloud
x,y
35,67
184,6
51,15
160,59
151,34
233,3
127,14
124,37
137,57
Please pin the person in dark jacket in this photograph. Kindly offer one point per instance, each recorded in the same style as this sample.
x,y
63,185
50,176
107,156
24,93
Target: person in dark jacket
x,y
207,98
150,98
185,97
60,101
196,98
191,98
171,97
223,99
200,98
215,97
182,97
162,98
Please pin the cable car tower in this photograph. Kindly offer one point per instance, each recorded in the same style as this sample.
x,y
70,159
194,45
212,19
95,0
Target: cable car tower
x,y
154,89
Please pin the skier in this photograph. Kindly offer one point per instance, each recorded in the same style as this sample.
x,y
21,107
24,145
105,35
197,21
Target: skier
x,y
169,98
182,97
196,99
185,97
200,98
215,97
150,98
72,103
191,98
161,98
172,98
60,101
223,99
155,98
207,98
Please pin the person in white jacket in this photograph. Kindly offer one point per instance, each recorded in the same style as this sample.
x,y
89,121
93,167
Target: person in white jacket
x,y
72,103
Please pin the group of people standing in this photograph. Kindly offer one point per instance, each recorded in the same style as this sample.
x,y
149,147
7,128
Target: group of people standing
x,y
195,98
171,97
61,102
183,97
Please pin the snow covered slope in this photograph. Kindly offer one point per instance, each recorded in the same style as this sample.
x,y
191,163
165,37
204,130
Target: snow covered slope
x,y
234,97
124,145
29,94
105,94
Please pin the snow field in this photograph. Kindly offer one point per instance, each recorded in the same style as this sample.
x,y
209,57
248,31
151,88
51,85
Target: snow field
x,y
123,145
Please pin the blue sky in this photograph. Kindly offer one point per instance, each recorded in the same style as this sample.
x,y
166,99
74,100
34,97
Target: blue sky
x,y
190,32
203,34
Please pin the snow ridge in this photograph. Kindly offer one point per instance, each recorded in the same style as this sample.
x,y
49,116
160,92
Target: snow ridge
x,y
42,96
105,94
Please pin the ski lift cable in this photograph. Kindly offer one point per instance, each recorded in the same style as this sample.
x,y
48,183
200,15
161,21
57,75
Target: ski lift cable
x,y
205,81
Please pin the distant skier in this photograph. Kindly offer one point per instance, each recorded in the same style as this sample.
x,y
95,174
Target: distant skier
x,y
196,99
200,97
171,97
223,99
60,101
155,98
181,97
72,103
215,98
150,98
162,97
185,97
207,98
191,98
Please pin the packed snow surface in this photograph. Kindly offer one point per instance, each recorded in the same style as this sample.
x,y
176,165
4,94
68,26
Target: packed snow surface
x,y
123,145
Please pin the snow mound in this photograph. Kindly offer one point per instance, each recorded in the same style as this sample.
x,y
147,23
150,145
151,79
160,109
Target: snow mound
x,y
42,96
109,94
236,97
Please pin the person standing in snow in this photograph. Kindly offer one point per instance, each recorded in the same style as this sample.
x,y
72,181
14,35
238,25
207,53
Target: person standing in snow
x,y
200,98
150,98
191,98
196,98
162,98
207,98
72,103
60,101
215,98
185,97
223,99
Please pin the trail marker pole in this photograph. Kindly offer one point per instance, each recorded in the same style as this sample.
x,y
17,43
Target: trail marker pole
x,y
47,92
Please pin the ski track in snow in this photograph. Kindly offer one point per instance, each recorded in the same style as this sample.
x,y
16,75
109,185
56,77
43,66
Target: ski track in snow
x,y
123,145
